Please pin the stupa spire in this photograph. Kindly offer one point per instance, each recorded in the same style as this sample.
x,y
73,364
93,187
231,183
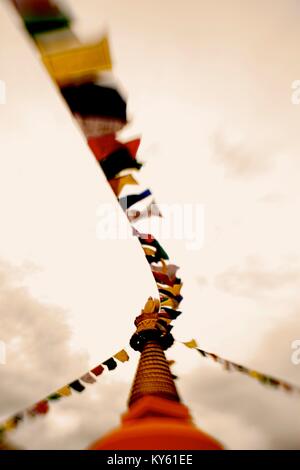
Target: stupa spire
x,y
153,376
156,418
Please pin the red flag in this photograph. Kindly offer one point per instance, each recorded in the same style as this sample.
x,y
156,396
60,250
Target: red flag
x,y
104,145
98,370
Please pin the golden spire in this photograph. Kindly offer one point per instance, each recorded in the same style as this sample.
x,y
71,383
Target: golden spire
x,y
153,376
152,336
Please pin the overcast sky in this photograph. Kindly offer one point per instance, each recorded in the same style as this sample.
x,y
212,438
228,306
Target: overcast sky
x,y
209,88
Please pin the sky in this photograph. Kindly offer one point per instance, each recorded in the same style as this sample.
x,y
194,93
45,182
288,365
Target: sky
x,y
209,87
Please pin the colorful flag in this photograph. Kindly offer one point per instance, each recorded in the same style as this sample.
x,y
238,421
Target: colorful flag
x,y
88,378
105,145
117,184
75,63
128,201
122,356
42,407
64,391
98,370
76,385
92,100
192,344
116,162
110,363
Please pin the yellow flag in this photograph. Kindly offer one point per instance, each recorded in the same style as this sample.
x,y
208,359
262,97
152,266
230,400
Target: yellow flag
x,y
122,356
164,266
118,184
149,251
64,391
9,424
254,374
78,62
169,303
175,290
191,344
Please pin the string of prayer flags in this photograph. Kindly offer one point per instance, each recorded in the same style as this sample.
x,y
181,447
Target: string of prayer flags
x,y
264,379
73,64
128,201
42,407
117,184
91,99
118,161
110,363
103,146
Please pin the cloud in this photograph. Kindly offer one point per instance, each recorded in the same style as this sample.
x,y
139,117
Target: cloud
x,y
239,159
256,280
272,198
201,280
37,337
